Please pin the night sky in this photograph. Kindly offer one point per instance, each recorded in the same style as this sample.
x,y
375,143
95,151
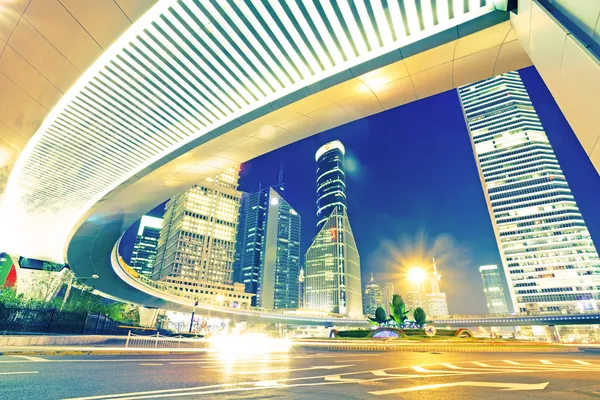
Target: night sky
x,y
414,191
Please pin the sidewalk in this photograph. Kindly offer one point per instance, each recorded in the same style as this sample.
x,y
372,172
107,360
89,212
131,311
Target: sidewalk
x,y
91,350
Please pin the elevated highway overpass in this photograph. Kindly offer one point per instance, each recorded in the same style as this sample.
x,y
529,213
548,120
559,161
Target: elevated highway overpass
x,y
149,98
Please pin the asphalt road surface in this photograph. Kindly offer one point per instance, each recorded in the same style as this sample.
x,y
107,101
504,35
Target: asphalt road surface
x,y
303,375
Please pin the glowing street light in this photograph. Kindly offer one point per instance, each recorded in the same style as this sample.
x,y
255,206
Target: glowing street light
x,y
416,276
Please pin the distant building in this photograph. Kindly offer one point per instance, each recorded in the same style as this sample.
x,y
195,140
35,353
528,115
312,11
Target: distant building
x,y
415,298
197,240
549,259
372,297
387,295
240,239
270,248
494,292
332,262
146,244
301,302
437,305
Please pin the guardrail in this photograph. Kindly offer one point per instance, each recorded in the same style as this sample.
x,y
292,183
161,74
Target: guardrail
x,y
161,290
162,342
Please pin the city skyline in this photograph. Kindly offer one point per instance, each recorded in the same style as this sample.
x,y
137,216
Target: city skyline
x,y
438,219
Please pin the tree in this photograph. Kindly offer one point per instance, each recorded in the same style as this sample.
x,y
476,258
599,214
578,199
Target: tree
x,y
399,311
419,316
379,317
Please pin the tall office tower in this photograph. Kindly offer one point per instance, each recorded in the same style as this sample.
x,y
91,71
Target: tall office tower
x,y
197,241
494,292
146,244
415,298
270,256
331,181
437,305
332,262
549,259
372,298
387,295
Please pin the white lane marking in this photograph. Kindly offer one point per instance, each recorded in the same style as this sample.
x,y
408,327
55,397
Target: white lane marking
x,y
227,363
19,372
341,361
150,364
285,370
418,368
30,358
582,362
451,366
480,364
268,384
499,385
338,378
546,362
512,362
380,372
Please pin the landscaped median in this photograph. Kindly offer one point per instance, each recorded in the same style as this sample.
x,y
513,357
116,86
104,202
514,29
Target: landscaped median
x,y
441,345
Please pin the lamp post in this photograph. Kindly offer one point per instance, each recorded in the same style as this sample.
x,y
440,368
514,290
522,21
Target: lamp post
x,y
193,312
70,284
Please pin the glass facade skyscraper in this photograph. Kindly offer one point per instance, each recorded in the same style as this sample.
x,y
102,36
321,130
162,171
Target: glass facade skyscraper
x,y
270,249
494,292
332,262
549,259
146,244
331,181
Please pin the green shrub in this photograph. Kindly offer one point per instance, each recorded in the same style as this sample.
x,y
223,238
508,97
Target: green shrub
x,y
358,333
419,316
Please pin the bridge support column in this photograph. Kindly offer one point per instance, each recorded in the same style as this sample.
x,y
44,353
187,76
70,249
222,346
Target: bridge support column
x,y
554,334
148,316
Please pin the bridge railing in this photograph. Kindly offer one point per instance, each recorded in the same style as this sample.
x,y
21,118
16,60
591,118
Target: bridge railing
x,y
188,299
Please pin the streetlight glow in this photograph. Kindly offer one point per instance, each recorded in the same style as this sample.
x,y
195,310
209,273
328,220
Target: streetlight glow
x,y
416,276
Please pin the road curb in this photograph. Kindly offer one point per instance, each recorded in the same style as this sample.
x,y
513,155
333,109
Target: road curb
x,y
442,349
92,352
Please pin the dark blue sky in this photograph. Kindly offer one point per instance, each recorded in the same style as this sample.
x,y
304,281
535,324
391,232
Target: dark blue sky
x,y
413,189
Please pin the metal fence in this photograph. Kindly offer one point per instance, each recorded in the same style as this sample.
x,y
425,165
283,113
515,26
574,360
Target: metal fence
x,y
162,342
25,320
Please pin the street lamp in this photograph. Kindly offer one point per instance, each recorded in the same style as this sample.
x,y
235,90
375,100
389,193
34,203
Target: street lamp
x,y
416,276
81,278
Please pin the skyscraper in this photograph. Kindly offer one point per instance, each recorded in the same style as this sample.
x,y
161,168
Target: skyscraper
x,y
197,241
270,253
387,295
437,305
372,297
146,243
548,256
332,262
494,292
301,303
331,181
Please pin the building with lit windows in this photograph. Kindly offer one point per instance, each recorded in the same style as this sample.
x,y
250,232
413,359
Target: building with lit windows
x,y
146,244
549,259
197,240
301,303
387,295
372,297
332,262
493,289
270,249
331,181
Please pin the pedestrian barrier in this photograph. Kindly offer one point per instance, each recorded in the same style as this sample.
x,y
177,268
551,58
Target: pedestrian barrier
x,y
158,341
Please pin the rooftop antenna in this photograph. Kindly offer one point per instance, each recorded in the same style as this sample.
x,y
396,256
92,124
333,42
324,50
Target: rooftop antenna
x,y
280,174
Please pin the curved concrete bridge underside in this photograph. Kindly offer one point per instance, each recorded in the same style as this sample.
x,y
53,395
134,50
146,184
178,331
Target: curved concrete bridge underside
x,y
156,114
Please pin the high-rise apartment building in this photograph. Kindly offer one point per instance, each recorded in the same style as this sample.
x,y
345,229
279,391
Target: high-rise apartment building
x,y
197,240
270,249
494,291
332,262
548,256
146,244
372,298
387,295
